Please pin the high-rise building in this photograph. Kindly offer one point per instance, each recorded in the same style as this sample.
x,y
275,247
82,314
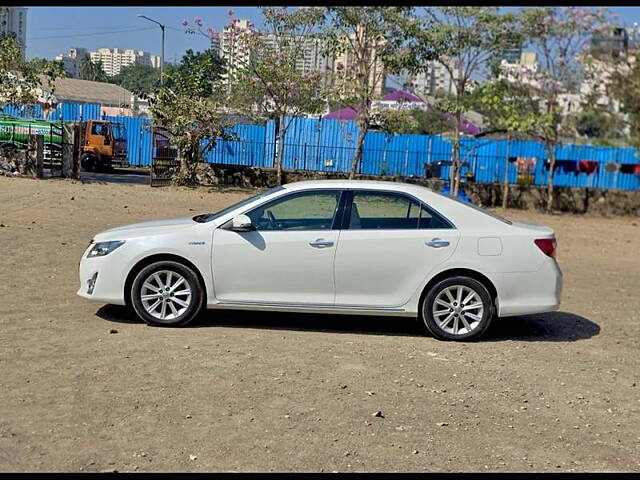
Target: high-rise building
x,y
610,46
114,59
13,21
72,60
345,66
434,79
511,55
234,46
312,52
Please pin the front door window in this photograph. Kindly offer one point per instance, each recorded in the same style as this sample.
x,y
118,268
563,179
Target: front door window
x,y
304,211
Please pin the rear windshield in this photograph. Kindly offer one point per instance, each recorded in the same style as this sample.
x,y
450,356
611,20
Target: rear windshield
x,y
477,208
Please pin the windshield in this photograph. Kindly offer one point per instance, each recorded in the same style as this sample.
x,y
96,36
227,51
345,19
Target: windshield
x,y
477,208
119,132
208,217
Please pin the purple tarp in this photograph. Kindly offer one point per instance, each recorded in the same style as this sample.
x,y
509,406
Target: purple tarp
x,y
401,95
347,113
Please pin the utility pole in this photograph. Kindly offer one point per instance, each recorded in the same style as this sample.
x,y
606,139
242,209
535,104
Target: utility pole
x,y
162,50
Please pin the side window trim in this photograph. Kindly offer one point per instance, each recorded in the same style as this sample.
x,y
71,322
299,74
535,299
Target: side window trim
x,y
346,220
286,196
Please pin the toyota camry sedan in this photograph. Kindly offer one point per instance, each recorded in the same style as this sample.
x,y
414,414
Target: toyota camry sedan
x,y
331,246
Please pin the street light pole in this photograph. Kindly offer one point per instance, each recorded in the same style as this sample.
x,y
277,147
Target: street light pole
x,y
162,50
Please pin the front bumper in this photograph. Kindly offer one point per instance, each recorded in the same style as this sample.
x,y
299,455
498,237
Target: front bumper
x,y
101,278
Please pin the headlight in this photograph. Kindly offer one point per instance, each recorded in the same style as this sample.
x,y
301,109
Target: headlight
x,y
101,249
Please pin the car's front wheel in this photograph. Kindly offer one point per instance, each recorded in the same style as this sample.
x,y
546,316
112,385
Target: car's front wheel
x,y
166,294
457,308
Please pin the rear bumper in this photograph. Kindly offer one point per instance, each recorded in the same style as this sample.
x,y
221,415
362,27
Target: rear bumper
x,y
526,293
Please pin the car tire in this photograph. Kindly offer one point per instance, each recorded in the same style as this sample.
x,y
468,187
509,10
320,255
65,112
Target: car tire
x,y
177,289
457,308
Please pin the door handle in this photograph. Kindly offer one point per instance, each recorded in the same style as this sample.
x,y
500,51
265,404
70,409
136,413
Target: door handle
x,y
437,243
320,243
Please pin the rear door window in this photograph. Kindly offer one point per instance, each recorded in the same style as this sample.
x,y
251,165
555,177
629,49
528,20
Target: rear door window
x,y
371,210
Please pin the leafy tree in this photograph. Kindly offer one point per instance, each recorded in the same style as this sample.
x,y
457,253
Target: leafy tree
x,y
599,125
372,40
273,85
92,71
463,40
197,72
431,121
188,105
392,121
559,36
20,80
624,88
506,108
140,79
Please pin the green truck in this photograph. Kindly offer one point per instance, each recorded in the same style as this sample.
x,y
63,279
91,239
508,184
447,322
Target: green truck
x,y
15,132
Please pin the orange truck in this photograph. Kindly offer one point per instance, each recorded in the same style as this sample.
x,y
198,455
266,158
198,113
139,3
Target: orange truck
x,y
103,145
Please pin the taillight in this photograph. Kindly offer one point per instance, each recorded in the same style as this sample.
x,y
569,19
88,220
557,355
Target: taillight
x,y
547,245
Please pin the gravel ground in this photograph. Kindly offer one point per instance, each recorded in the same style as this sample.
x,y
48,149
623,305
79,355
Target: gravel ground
x,y
86,387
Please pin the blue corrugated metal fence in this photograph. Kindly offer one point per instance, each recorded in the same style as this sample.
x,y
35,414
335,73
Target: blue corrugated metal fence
x,y
329,145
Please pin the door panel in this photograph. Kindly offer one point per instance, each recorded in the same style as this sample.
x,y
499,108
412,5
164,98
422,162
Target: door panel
x,y
287,259
383,268
391,243
274,266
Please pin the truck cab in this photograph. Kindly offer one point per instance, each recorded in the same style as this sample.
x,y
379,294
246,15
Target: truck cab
x,y
104,145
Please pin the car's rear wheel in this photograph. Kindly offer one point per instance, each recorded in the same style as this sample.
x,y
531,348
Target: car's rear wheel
x,y
167,294
457,308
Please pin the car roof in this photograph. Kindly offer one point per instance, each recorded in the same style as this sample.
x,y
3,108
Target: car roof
x,y
370,184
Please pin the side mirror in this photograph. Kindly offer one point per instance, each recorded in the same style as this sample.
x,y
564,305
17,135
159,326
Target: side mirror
x,y
241,223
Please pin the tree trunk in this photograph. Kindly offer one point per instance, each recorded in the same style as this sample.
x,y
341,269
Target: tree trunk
x,y
279,156
505,186
357,156
188,165
551,155
454,172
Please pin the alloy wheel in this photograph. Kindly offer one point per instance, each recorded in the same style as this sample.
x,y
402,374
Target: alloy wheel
x,y
458,309
165,295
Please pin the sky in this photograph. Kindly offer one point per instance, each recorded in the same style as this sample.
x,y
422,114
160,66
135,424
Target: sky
x,y
53,30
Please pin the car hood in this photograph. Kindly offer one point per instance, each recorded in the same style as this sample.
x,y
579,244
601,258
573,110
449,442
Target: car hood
x,y
145,228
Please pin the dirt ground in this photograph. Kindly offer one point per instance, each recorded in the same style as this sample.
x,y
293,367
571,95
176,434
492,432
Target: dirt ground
x,y
240,391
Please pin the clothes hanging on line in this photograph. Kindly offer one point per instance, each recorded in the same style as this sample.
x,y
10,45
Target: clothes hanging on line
x,y
525,164
567,166
587,166
630,168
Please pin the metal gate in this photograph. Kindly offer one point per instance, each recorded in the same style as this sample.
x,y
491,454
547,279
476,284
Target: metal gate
x,y
164,158
53,152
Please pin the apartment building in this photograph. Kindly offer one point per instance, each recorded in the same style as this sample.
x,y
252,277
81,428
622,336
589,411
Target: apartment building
x,y
114,59
13,21
71,61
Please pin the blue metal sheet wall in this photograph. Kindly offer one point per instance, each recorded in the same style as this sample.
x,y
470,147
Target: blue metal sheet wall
x,y
66,112
139,139
329,145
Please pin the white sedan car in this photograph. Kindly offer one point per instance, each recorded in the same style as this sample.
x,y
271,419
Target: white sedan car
x,y
331,246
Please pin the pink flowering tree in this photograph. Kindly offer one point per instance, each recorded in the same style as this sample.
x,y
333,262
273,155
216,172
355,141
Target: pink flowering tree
x,y
367,44
463,41
276,83
196,27
560,38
